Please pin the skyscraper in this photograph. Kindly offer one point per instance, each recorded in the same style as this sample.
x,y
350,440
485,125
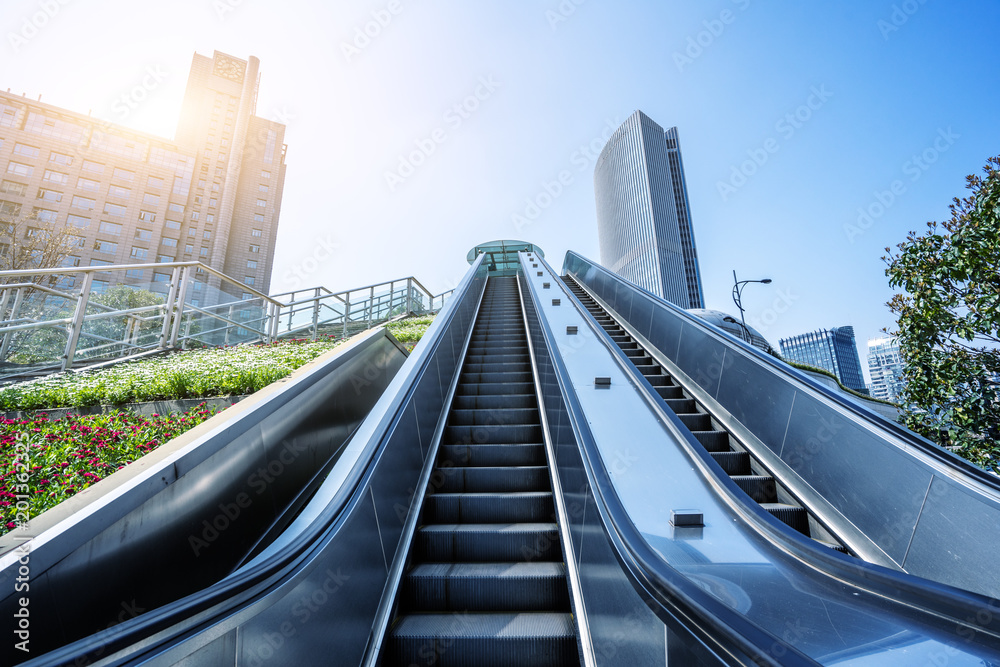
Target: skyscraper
x,y
212,195
833,349
885,367
643,212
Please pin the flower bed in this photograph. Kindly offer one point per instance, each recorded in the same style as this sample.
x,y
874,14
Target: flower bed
x,y
243,369
43,462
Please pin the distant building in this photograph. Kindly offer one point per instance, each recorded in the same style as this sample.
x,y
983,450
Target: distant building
x,y
885,367
643,213
212,195
834,350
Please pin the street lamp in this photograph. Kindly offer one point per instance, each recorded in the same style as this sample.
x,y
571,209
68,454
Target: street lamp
x,y
738,286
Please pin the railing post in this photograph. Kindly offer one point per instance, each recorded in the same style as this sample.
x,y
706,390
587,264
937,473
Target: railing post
x,y
168,308
347,312
275,312
315,314
14,312
371,305
409,296
181,296
77,323
229,326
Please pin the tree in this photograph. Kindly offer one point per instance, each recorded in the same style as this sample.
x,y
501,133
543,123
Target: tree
x,y
948,320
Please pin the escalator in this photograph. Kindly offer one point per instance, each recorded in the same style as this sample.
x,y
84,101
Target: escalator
x,y
487,583
747,471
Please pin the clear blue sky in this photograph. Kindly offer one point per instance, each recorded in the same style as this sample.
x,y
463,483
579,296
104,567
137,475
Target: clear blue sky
x,y
887,80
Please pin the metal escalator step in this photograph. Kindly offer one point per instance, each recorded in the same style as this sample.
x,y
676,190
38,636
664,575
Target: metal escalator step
x,y
498,367
698,421
658,380
682,405
458,417
493,455
497,358
490,479
713,441
485,587
489,542
533,639
633,352
650,369
495,402
523,376
527,507
492,434
761,488
495,388
670,392
734,463
790,515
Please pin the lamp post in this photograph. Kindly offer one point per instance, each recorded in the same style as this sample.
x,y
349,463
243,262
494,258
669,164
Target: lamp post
x,y
738,286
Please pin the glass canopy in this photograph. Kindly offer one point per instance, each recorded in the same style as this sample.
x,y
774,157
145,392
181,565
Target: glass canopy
x,y
501,256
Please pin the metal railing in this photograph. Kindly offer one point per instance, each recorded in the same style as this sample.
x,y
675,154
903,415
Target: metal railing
x,y
59,318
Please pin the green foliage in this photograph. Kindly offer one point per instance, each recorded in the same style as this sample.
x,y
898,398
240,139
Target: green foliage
x,y
948,321
410,330
243,369
823,371
44,462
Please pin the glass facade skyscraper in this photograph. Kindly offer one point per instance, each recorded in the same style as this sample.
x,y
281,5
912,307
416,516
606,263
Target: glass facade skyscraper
x,y
833,349
643,212
885,367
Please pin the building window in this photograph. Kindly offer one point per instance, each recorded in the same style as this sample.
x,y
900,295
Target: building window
x,y
161,277
93,167
192,231
56,177
195,215
203,252
144,234
188,248
83,202
12,188
123,174
100,262
265,174
150,199
105,247
78,221
117,210
261,203
172,224
45,215
222,156
207,234
258,217
164,259
60,158
210,217
139,253
154,183
118,191
112,228
254,249
213,202
249,280
197,199
70,261
263,188
201,183
176,208
168,242
256,233
26,150
18,169
10,208
216,186
147,216
251,263
49,195
135,273
87,184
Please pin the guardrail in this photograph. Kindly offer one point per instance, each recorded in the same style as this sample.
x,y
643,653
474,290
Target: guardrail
x,y
58,318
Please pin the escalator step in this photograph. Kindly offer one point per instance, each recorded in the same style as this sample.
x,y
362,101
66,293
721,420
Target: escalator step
x,y
698,421
650,369
493,417
658,380
502,367
528,507
759,487
509,479
487,542
791,515
637,354
493,455
496,402
471,378
670,392
495,388
713,441
492,434
485,587
531,639
682,405
734,463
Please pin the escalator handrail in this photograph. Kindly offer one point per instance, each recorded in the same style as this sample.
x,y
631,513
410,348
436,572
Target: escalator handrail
x,y
793,375
724,630
176,620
